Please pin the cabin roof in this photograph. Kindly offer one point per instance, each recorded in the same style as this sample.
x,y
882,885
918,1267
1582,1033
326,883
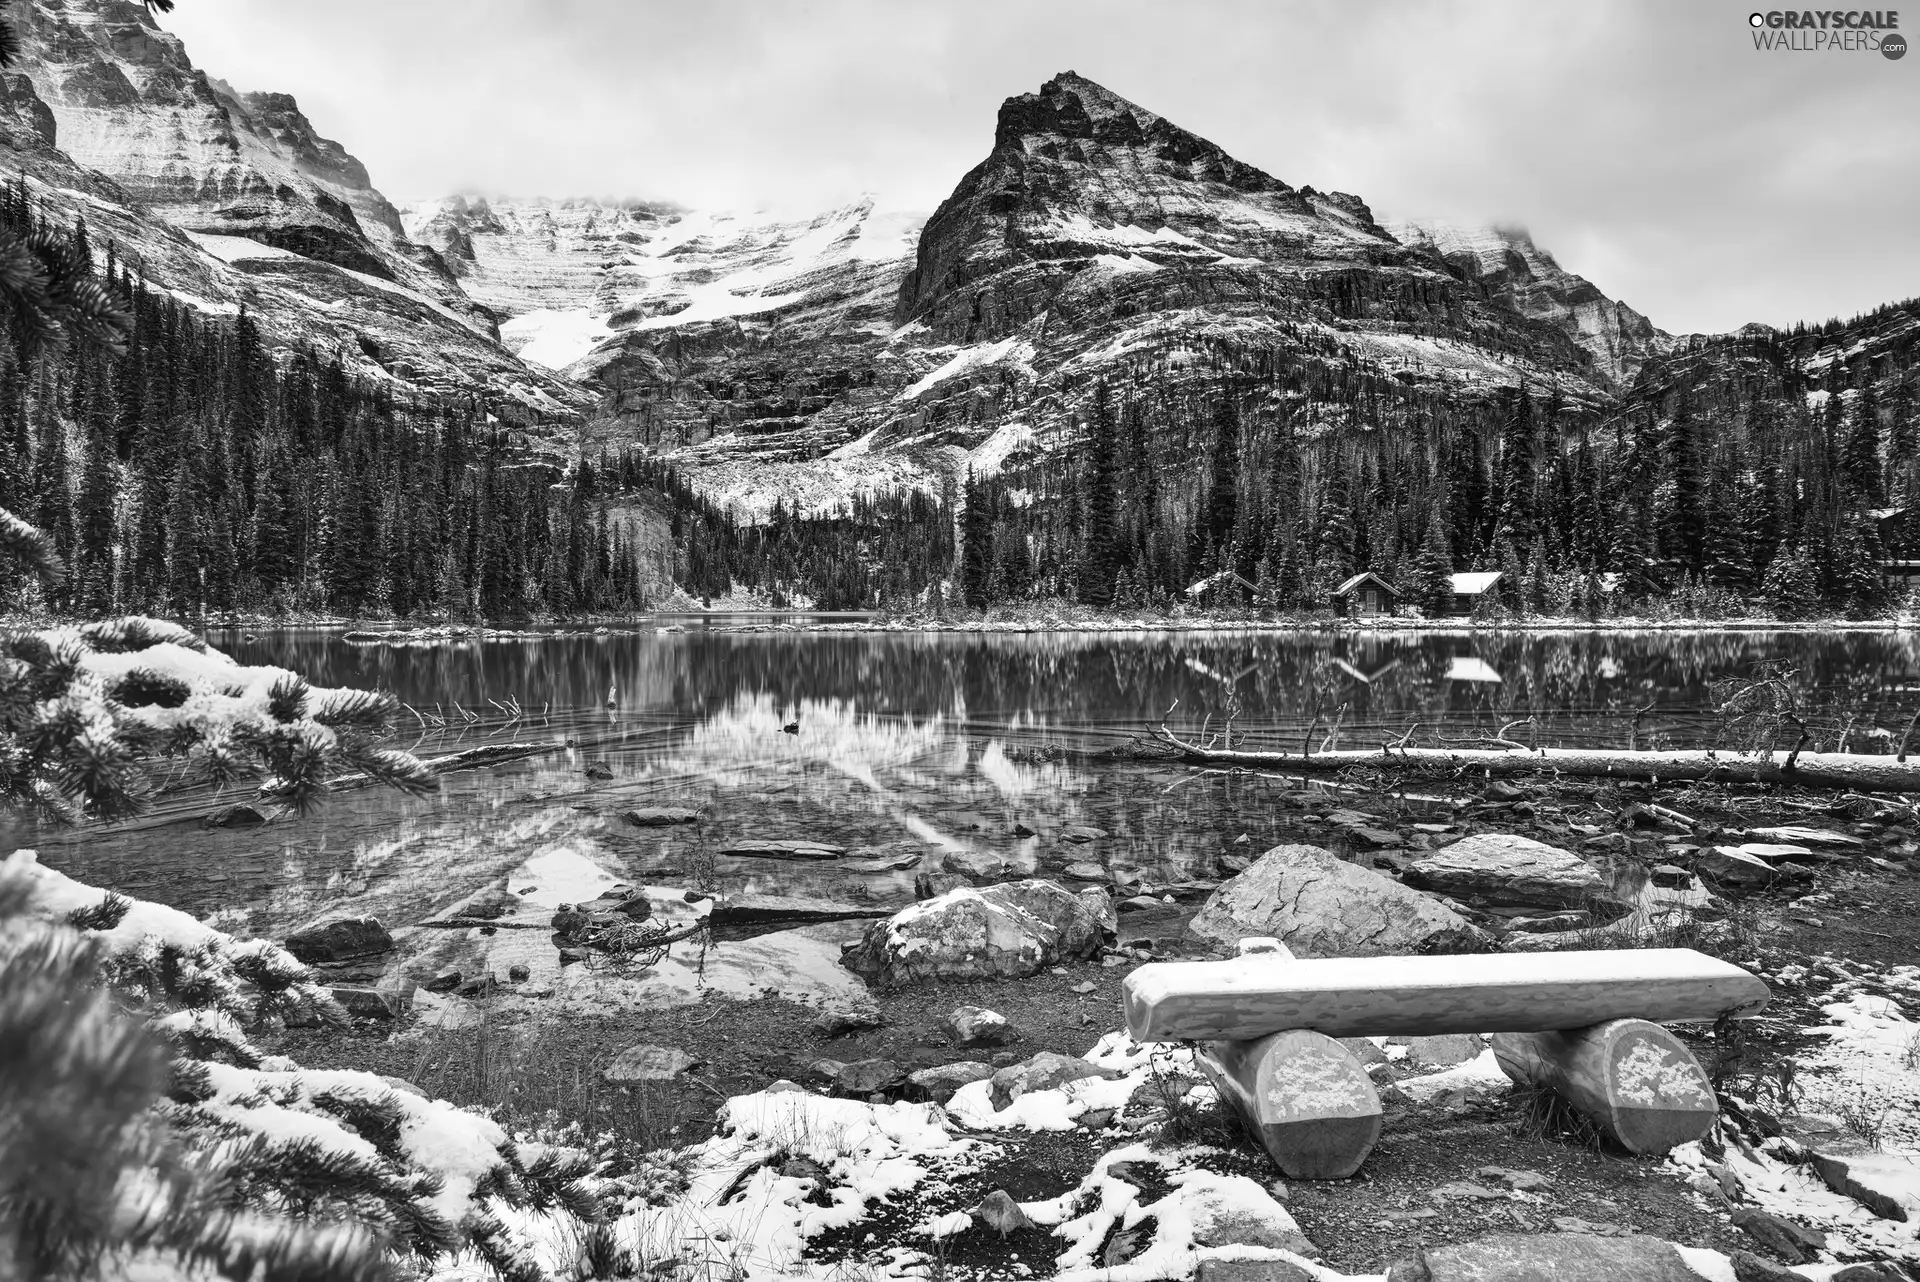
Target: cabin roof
x,y
1213,581
1353,584
1474,582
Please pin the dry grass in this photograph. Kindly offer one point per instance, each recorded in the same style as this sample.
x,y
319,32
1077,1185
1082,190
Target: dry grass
x,y
522,1072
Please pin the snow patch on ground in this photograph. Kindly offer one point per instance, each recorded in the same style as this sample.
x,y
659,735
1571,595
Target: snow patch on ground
x,y
1014,351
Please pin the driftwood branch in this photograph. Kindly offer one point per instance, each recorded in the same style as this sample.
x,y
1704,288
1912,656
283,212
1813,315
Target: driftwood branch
x,y
1810,769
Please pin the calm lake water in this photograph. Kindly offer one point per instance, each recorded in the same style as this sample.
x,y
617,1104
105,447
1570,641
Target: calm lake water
x,y
907,743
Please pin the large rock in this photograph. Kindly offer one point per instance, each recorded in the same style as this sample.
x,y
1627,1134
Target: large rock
x,y
1510,869
1549,1257
1014,929
341,939
1320,906
1046,1071
1233,1210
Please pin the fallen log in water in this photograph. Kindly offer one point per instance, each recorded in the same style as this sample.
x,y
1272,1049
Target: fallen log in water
x,y
491,754
1809,769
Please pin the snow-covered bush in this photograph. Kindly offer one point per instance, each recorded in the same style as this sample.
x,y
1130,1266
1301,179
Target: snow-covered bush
x,y
175,1139
87,711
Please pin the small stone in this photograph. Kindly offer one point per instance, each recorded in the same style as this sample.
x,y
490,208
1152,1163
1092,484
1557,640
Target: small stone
x,y
648,1062
864,1077
1021,830
1502,791
598,770
1081,834
364,1003
839,1020
1748,1267
1085,872
932,885
1216,1270
519,974
938,1084
1445,1050
998,1210
445,982
1521,1181
1670,877
1791,1241
978,1026
1097,1119
1086,987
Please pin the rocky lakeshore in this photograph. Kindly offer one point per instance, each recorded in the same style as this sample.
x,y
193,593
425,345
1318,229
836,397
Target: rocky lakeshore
x,y
802,1087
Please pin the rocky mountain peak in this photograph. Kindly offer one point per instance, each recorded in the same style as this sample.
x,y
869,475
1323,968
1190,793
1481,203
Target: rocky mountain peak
x,y
1070,109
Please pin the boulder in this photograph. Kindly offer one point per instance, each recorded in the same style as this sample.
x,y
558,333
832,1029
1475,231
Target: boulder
x,y
340,939
939,1084
648,1062
841,1018
977,1026
1046,1071
1509,869
1320,906
598,770
1668,877
661,816
1014,929
1517,1258
1080,834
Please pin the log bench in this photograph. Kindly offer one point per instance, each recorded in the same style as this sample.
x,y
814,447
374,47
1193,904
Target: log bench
x,y
1586,1025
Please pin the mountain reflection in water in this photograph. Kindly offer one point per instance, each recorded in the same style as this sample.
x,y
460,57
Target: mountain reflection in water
x,y
908,743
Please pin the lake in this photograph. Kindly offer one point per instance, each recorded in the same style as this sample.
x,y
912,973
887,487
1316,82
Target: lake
x,y
907,743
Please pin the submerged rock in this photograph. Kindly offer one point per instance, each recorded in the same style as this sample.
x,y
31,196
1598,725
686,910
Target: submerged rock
x,y
1510,869
932,885
1013,929
660,816
340,939
236,816
1320,906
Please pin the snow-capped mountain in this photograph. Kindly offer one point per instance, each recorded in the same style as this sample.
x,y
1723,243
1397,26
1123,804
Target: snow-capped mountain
x,y
233,199
804,358
1527,278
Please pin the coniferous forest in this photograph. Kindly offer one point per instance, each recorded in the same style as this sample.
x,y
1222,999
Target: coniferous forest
x,y
196,472
193,472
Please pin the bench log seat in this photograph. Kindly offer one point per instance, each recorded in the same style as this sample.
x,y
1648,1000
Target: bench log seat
x,y
1585,1025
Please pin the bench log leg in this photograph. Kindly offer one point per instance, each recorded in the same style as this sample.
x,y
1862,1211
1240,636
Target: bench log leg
x,y
1634,1078
1304,1094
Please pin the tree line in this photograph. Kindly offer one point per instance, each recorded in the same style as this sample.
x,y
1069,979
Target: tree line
x,y
184,470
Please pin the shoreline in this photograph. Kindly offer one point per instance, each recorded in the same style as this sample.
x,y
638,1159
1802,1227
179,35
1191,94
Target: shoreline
x,y
803,622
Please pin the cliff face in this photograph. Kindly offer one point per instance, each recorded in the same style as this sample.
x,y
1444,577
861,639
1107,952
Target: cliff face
x,y
232,199
813,358
1525,277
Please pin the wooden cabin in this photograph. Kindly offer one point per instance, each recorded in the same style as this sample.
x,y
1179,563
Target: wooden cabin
x,y
1469,587
1365,596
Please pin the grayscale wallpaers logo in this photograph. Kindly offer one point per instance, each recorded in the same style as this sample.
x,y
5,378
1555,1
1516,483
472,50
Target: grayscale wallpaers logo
x,y
1829,31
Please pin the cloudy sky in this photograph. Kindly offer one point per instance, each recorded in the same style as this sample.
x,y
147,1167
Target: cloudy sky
x,y
1649,146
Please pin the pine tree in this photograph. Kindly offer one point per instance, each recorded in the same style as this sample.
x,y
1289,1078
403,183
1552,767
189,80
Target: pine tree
x,y
1433,589
1100,558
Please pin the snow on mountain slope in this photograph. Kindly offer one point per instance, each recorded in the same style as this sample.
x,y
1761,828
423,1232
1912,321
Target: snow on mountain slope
x,y
111,119
1530,281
